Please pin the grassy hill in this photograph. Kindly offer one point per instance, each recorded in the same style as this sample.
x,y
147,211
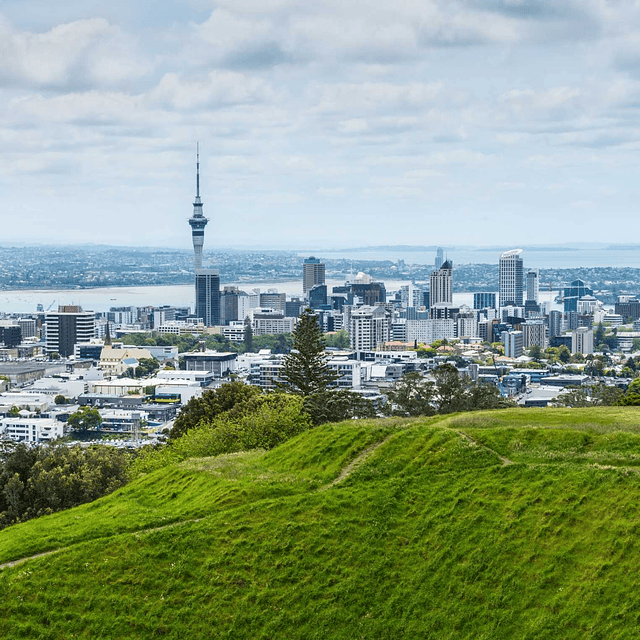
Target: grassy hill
x,y
509,524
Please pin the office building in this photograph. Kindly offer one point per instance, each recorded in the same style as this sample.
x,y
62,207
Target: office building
x,y
441,286
65,328
582,341
318,296
312,274
510,276
571,294
27,327
10,334
534,333
274,300
555,323
439,258
533,285
484,300
208,296
513,343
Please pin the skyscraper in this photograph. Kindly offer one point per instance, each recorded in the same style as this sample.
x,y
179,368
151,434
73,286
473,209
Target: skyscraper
x,y
67,327
312,274
533,285
511,278
208,296
197,221
439,258
441,283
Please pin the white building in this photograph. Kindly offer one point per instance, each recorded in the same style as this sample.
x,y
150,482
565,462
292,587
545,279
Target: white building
x,y
534,333
369,327
441,282
510,278
427,331
513,343
582,341
269,321
31,429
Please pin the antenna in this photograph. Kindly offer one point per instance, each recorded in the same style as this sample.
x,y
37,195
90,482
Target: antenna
x,y
197,169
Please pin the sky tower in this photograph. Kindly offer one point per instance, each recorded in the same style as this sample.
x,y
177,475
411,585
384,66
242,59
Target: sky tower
x,y
197,221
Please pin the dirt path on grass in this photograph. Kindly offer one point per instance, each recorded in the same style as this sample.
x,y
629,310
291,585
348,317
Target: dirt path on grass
x,y
505,461
354,464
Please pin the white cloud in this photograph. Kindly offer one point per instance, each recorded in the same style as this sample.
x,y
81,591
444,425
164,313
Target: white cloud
x,y
78,54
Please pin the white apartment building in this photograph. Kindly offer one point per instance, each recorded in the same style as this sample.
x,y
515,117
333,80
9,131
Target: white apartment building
x,y
441,282
510,278
269,321
369,327
427,331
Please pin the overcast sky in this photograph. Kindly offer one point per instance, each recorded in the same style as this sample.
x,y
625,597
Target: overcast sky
x,y
324,123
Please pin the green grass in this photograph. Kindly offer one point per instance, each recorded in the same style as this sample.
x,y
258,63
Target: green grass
x,y
431,536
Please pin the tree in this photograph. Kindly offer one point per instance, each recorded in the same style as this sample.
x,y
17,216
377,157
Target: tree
x,y
60,399
535,352
86,418
339,340
336,405
14,411
635,345
228,397
564,355
631,397
450,390
248,334
305,370
412,395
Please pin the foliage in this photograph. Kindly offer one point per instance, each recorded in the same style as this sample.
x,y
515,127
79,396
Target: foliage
x,y
262,422
145,367
60,399
305,370
14,411
411,396
631,396
339,340
41,480
211,404
248,335
590,396
535,352
335,405
85,418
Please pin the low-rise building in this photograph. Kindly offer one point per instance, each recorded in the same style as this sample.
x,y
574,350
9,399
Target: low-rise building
x,y
31,430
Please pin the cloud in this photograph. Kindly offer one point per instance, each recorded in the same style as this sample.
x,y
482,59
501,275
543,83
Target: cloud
x,y
217,89
79,54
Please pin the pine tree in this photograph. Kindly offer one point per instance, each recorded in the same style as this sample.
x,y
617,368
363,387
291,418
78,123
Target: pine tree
x,y
248,335
305,369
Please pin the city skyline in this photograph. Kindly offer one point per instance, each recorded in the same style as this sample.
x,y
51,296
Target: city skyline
x,y
429,119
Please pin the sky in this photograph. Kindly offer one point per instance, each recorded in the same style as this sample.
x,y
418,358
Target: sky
x,y
321,124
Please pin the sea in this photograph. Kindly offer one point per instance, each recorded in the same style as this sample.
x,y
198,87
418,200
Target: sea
x,y
101,299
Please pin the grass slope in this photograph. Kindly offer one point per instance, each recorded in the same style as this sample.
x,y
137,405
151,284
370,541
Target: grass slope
x,y
510,524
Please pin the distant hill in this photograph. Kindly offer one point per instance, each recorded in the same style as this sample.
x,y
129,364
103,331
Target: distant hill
x,y
509,524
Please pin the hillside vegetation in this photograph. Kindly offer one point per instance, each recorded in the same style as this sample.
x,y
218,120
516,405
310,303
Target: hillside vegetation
x,y
498,524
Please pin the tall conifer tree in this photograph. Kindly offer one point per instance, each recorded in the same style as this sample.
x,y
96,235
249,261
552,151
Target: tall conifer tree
x,y
305,368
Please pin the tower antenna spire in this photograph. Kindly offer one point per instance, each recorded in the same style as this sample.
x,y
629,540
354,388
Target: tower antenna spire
x,y
197,169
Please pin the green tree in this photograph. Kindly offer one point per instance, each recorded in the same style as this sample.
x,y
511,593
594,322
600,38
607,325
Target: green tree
x,y
335,405
635,345
631,396
60,399
535,352
211,404
305,370
412,395
14,411
450,390
86,418
339,340
564,354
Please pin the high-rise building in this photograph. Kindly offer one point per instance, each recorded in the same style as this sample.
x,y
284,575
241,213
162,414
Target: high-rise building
x,y
582,341
571,294
312,274
533,285
439,258
513,343
484,300
441,285
68,326
369,327
208,296
534,333
197,221
555,323
510,278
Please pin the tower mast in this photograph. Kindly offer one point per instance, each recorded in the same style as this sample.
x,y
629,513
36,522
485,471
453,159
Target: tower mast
x,y
197,221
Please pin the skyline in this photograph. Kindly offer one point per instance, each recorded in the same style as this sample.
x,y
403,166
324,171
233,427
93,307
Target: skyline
x,y
443,124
